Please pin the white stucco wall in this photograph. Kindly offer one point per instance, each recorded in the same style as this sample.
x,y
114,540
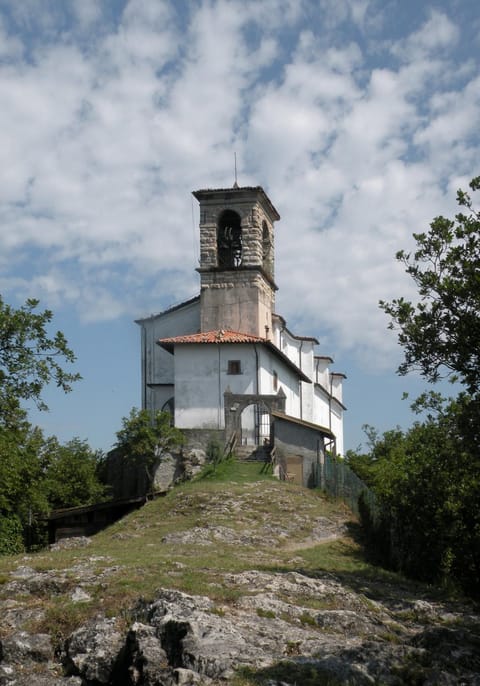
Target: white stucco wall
x,y
321,407
329,414
322,371
287,380
337,386
197,374
157,363
201,378
316,406
337,426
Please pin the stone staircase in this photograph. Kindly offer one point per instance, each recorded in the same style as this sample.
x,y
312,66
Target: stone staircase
x,y
250,452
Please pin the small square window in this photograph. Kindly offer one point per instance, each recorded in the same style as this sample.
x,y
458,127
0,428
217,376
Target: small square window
x,y
234,367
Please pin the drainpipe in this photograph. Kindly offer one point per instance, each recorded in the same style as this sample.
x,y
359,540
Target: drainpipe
x,y
330,395
144,367
330,404
320,464
219,391
300,383
256,421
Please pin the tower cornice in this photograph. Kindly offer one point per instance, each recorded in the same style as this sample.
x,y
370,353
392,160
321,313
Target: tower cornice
x,y
244,193
239,270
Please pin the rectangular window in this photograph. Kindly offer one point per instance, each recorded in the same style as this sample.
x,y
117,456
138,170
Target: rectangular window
x,y
234,367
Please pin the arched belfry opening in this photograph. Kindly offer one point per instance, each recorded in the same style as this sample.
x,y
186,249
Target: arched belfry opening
x,y
229,240
236,281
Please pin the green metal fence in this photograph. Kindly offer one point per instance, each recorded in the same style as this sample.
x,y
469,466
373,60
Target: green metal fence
x,y
338,480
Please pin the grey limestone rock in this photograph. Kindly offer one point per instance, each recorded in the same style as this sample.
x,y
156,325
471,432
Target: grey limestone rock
x,y
94,651
11,677
279,623
185,677
147,661
194,460
166,472
22,647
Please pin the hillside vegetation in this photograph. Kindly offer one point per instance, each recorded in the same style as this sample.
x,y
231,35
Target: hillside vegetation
x,y
272,566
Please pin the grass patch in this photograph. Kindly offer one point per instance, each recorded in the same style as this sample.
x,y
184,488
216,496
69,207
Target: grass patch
x,y
307,619
286,671
343,555
235,471
62,616
238,524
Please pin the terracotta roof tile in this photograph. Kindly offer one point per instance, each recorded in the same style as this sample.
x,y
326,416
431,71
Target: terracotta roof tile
x,y
220,336
223,336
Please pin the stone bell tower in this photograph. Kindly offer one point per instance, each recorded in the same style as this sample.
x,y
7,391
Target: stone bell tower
x,y
236,260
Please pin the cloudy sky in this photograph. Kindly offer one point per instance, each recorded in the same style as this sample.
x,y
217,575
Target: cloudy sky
x,y
360,118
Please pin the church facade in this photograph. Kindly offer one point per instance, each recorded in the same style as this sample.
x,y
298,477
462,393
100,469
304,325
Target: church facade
x,y
225,361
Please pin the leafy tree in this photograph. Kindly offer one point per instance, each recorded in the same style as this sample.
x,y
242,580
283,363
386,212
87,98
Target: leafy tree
x,y
144,438
427,480
366,464
21,468
427,487
38,474
11,535
29,357
22,497
71,475
440,333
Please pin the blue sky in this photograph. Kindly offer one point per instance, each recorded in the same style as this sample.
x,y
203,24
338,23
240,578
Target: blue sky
x,y
358,117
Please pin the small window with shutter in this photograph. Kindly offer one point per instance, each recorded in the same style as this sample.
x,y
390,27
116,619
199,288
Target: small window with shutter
x,y
234,367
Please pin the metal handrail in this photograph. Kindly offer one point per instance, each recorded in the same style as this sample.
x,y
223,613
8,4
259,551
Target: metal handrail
x,y
230,445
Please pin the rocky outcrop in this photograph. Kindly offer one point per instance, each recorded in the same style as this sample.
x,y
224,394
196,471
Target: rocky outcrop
x,y
23,647
282,624
94,652
64,622
126,480
185,639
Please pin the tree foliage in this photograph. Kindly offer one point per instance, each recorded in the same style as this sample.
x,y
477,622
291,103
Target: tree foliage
x,y
11,535
22,469
427,479
71,474
29,357
144,437
427,486
440,332
38,474
366,464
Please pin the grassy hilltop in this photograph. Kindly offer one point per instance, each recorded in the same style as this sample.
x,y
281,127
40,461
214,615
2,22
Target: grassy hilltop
x,y
232,519
200,539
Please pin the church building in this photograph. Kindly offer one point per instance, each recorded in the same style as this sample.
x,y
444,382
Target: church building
x,y
225,363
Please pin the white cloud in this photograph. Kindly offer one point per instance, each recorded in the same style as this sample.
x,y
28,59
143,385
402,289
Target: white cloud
x,y
10,46
438,33
101,144
87,12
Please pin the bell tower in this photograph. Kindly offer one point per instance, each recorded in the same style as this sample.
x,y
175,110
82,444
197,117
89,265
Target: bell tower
x,y
237,285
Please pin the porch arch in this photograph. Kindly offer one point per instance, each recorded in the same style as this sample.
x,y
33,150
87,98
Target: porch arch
x,y
236,403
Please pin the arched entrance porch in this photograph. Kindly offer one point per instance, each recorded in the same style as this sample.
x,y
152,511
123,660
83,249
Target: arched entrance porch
x,y
248,417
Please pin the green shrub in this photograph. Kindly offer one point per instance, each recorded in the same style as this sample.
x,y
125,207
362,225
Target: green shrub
x,y
214,451
11,535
